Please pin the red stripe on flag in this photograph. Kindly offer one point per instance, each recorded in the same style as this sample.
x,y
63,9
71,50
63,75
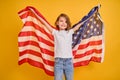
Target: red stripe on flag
x,y
38,54
37,27
36,64
39,38
86,62
88,53
90,43
43,50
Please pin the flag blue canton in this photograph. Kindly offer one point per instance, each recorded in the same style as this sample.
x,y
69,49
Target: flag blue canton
x,y
92,26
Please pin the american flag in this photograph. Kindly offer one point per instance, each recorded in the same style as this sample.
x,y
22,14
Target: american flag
x,y
36,43
88,40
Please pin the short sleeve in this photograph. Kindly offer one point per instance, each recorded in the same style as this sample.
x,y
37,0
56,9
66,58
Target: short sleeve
x,y
71,31
53,32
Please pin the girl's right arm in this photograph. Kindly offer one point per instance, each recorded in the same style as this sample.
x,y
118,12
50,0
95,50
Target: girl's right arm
x,y
46,25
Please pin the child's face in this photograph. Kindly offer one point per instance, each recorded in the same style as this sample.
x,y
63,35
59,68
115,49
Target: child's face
x,y
62,23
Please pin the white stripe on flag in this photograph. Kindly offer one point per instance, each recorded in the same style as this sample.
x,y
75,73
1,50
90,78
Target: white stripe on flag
x,y
82,51
38,33
36,48
36,58
87,57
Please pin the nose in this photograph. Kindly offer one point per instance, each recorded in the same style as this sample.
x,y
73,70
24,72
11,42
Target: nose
x,y
64,23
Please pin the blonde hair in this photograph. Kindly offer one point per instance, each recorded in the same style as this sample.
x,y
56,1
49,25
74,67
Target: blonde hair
x,y
67,21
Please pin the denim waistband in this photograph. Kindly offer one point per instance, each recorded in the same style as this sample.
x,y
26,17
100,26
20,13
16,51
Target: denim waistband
x,y
63,58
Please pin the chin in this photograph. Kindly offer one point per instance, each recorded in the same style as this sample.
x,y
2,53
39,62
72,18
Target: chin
x,y
63,29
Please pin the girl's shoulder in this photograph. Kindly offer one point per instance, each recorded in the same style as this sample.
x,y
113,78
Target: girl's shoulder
x,y
71,30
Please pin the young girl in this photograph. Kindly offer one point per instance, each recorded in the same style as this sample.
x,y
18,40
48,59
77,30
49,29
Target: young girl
x,y
63,46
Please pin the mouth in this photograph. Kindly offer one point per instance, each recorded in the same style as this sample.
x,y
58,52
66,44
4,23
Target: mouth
x,y
63,26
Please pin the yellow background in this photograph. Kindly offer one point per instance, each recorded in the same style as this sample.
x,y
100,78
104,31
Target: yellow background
x,y
11,24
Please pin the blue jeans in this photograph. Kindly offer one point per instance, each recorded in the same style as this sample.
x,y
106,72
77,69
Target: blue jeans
x,y
63,66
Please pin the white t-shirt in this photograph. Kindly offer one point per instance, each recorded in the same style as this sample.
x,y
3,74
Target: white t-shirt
x,y
63,43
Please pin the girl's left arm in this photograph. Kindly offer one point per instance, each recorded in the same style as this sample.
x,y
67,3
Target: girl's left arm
x,y
77,26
